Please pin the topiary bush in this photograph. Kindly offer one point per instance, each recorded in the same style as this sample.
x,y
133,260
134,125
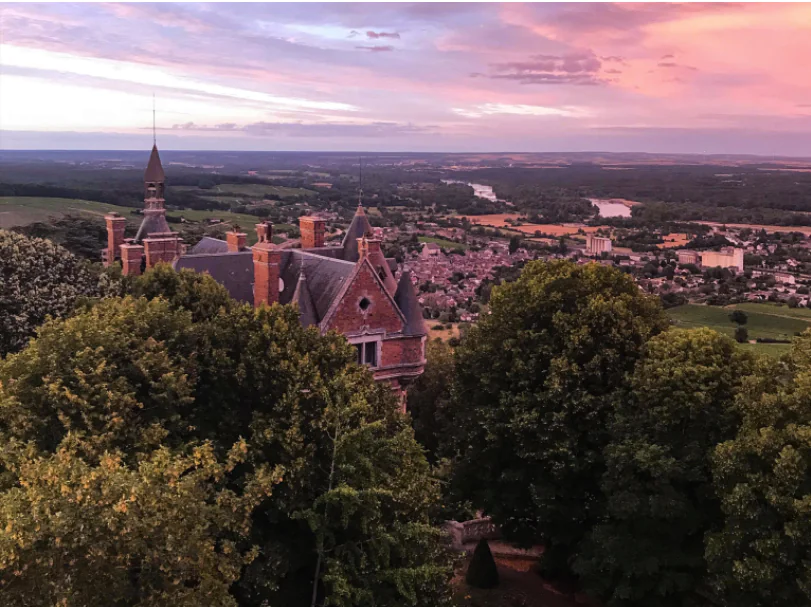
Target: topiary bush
x,y
482,571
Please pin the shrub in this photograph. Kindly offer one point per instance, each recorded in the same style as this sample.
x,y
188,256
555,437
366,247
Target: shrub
x,y
482,571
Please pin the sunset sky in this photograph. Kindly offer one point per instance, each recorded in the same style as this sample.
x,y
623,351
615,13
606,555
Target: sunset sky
x,y
704,78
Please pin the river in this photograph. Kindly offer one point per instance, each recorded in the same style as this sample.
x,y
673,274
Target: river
x,y
480,190
611,208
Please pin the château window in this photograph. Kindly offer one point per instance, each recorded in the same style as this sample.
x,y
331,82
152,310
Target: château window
x,y
367,353
364,304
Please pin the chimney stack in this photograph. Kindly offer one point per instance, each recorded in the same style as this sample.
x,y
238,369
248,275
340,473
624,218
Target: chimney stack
x,y
236,240
264,232
131,258
312,231
266,265
115,236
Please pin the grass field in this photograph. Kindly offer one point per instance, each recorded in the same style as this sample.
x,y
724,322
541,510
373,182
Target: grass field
x,y
764,321
447,244
20,211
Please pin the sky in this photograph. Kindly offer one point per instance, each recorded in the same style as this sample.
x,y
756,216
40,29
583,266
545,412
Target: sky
x,y
468,77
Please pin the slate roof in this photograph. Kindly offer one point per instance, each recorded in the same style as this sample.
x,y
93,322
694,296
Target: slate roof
x,y
325,277
154,169
152,223
234,271
311,280
359,228
208,245
406,300
304,299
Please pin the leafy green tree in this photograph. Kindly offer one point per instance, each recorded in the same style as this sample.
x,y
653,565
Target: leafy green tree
x,y
741,334
429,400
738,317
39,279
349,520
659,496
198,293
165,531
762,555
533,396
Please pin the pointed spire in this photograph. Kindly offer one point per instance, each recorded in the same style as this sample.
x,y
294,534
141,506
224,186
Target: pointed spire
x,y
406,299
154,170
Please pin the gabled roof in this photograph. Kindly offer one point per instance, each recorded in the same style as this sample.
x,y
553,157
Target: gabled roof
x,y
357,268
325,277
154,169
406,300
359,228
151,224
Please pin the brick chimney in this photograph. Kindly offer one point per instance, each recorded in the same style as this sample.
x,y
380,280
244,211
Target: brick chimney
x,y
236,241
115,236
161,246
264,232
312,231
266,262
131,257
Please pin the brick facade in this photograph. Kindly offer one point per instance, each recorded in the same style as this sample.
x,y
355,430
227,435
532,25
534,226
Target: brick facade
x,y
365,305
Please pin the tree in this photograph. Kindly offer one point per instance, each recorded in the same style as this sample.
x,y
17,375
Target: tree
x,y
39,279
164,531
532,398
198,293
515,244
741,334
135,376
762,554
738,317
482,571
429,399
649,550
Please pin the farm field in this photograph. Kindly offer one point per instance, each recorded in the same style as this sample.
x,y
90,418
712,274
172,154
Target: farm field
x,y
448,244
500,221
763,321
769,228
24,210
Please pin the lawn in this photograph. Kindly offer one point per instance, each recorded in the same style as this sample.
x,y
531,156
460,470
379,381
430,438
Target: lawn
x,y
24,210
442,242
763,321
